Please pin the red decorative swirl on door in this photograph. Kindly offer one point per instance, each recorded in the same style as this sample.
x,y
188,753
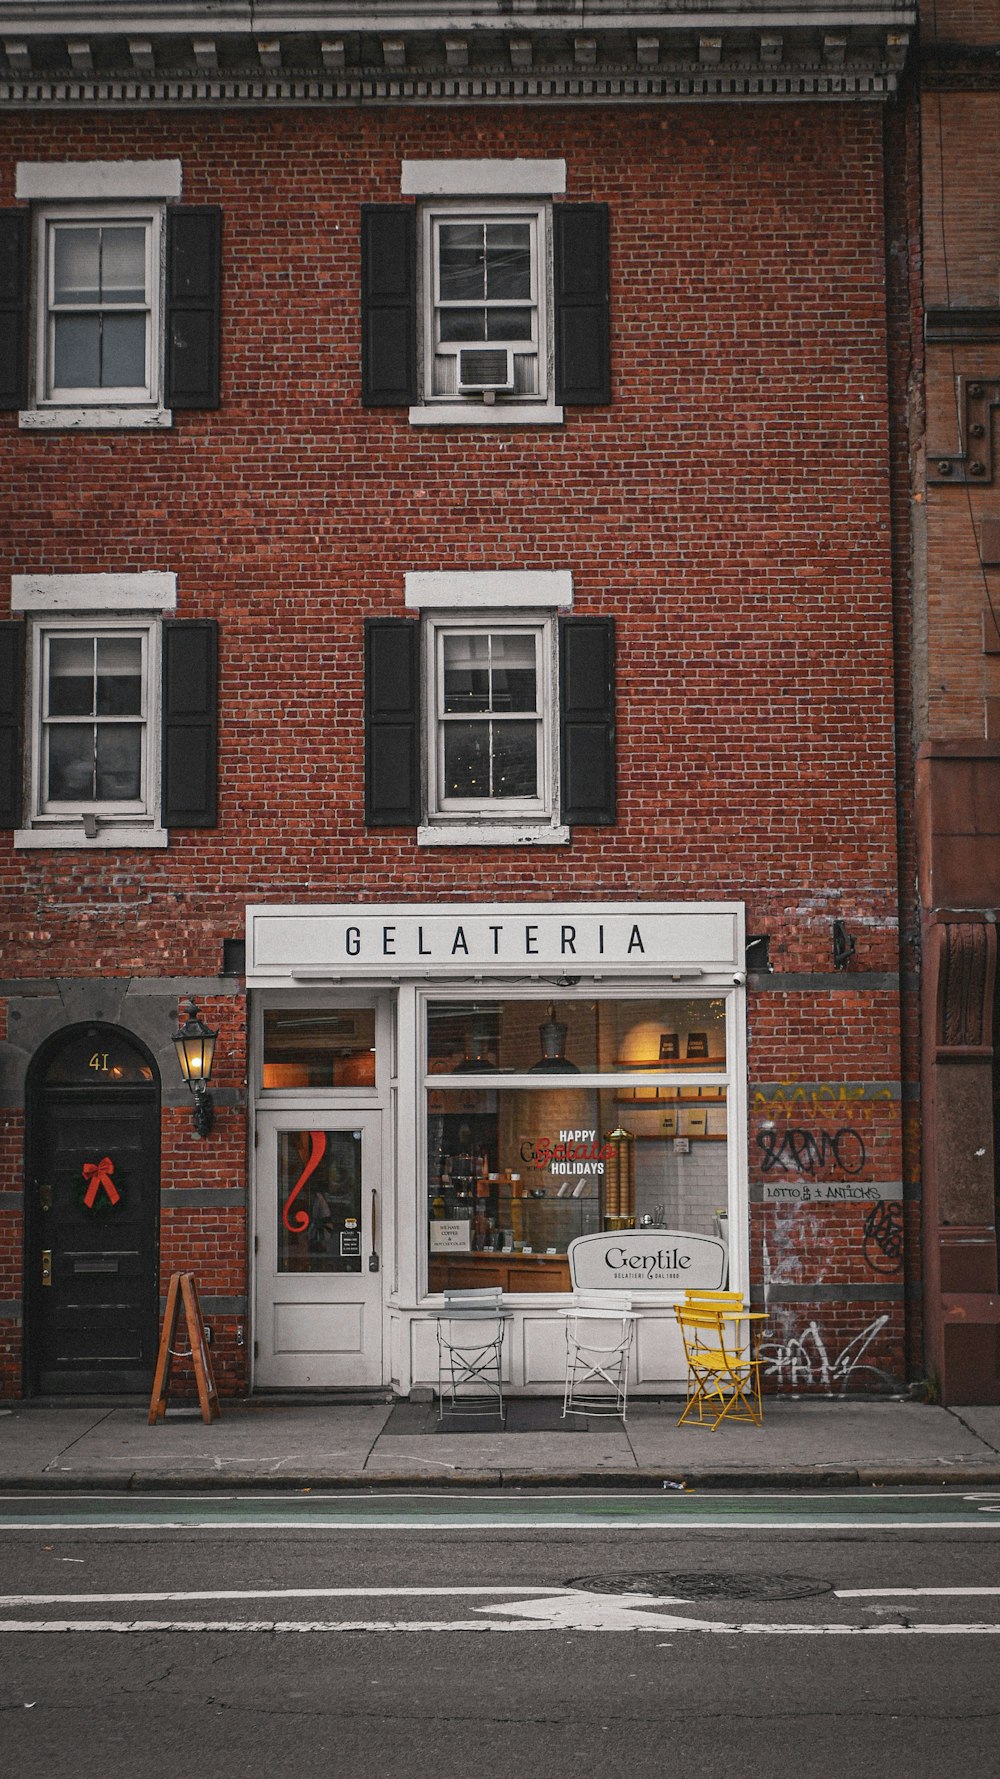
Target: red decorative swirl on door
x,y
300,1221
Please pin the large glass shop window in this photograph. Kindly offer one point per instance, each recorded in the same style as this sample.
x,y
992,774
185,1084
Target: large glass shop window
x,y
523,1155
319,1201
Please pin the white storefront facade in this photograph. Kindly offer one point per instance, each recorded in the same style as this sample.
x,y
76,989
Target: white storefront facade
x,y
447,1096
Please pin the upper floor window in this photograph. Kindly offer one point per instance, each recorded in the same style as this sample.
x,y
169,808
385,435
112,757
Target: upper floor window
x,y
490,749
485,300
110,296
492,720
485,277
94,709
107,712
99,307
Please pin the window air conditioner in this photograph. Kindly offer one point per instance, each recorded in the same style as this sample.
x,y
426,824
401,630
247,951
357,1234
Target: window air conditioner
x,y
483,370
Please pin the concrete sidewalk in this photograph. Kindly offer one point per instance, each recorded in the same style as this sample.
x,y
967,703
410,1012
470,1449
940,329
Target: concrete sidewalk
x,y
281,1444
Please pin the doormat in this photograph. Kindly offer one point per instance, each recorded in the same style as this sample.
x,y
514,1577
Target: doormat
x,y
522,1414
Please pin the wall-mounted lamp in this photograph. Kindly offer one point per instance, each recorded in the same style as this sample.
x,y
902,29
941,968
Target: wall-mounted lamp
x,y
844,946
195,1046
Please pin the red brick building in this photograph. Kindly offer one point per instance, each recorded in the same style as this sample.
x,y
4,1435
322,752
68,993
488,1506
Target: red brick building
x,y
457,547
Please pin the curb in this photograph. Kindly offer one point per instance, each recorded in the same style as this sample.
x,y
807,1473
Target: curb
x,y
712,1480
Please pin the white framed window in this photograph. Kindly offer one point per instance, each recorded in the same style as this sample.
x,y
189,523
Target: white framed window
x,y
99,306
485,294
490,747
94,701
95,729
485,272
99,291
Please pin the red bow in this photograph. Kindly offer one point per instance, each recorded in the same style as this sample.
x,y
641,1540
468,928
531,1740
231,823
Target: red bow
x,y
99,1174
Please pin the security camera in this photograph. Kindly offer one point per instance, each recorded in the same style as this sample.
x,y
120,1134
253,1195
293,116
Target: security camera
x,y
739,977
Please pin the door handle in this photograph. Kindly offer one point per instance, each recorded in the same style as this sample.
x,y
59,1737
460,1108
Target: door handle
x,y
45,1198
46,1266
373,1260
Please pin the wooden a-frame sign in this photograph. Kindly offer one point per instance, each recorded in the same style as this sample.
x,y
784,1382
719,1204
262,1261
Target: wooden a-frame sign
x,y
182,1288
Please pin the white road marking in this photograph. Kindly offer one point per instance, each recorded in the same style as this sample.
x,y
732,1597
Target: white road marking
x,y
906,1593
356,1524
609,1621
267,1594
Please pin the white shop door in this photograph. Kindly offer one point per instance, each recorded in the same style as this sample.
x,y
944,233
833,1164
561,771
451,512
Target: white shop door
x,y
319,1222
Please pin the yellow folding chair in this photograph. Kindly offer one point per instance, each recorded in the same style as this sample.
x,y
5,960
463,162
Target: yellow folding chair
x,y
723,1372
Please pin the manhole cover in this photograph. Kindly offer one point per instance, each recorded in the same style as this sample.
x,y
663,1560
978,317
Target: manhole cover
x,y
706,1586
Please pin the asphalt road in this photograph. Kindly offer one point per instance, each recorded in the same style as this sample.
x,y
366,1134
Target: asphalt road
x,y
492,1637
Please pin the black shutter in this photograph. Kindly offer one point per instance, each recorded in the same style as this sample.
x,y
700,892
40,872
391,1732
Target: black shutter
x,y
583,352
194,279
11,720
388,305
15,257
587,720
392,722
190,721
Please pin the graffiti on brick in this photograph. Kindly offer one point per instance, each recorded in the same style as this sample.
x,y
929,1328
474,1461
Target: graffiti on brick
x,y
882,1233
821,1099
805,1362
801,1151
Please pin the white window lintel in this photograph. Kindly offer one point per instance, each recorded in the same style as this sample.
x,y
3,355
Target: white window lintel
x,y
146,592
489,590
482,179
68,181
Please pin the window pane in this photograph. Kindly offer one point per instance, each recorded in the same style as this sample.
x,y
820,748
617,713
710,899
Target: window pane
x,y
508,259
71,762
319,1049
662,1037
71,676
467,760
123,357
461,262
123,265
77,352
466,672
463,324
76,265
509,324
319,1201
119,762
513,679
515,762
515,1174
119,676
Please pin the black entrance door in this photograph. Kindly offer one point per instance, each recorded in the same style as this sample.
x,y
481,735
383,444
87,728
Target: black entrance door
x,y
92,1216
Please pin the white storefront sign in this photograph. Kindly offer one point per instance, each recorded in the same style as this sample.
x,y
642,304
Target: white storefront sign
x,y
288,945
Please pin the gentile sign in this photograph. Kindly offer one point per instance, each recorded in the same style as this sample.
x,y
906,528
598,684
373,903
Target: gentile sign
x,y
648,1260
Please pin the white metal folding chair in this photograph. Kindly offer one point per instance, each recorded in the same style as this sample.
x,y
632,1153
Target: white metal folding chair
x,y
470,1350
599,1328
